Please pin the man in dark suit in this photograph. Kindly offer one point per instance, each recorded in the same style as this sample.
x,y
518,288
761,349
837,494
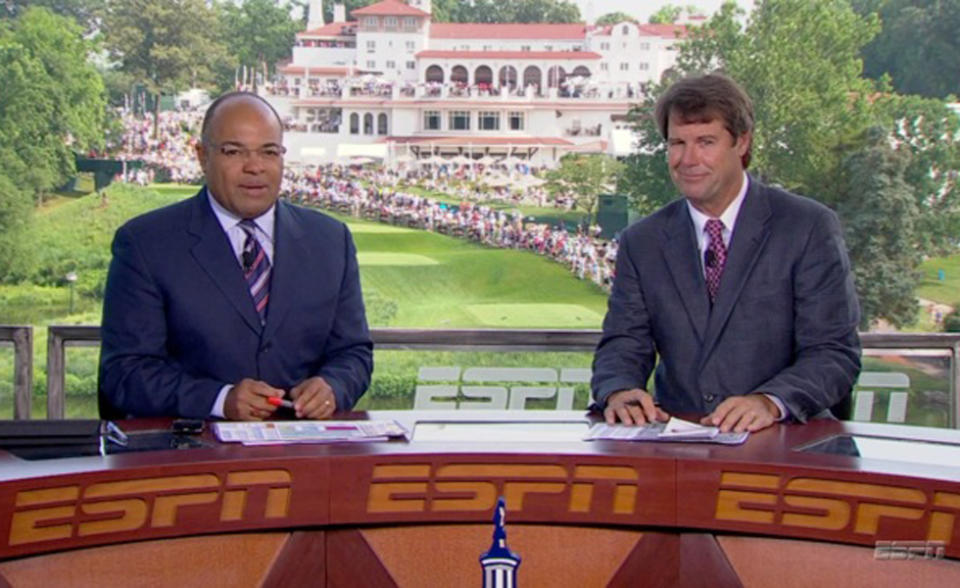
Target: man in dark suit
x,y
744,291
220,305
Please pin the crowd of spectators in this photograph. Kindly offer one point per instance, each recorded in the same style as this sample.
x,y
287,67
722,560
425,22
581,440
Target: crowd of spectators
x,y
388,195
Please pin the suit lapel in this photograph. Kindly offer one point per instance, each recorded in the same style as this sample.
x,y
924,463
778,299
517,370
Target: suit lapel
x,y
213,252
680,252
288,251
750,234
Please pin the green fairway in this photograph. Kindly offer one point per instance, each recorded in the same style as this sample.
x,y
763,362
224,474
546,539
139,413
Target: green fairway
x,y
365,258
535,315
946,291
411,278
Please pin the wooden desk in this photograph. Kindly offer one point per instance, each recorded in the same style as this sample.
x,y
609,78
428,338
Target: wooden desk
x,y
418,513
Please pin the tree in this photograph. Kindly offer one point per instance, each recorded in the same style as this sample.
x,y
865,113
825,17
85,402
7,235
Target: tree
x,y
168,46
53,100
583,177
928,133
880,224
85,12
669,13
613,18
917,45
262,32
53,103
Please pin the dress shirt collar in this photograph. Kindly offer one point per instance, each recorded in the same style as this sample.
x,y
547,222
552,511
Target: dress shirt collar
x,y
230,221
728,218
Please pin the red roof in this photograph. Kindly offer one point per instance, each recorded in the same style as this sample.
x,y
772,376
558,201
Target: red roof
x,y
389,8
320,71
334,29
475,140
650,30
662,30
574,55
533,31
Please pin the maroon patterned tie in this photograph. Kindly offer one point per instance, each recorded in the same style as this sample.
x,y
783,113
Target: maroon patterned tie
x,y
715,257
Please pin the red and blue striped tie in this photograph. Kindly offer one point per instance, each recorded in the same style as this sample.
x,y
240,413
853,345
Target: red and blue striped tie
x,y
256,269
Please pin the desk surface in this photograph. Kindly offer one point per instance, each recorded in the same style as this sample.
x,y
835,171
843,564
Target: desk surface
x,y
767,486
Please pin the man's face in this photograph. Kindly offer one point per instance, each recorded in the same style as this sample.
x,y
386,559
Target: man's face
x,y
243,159
705,162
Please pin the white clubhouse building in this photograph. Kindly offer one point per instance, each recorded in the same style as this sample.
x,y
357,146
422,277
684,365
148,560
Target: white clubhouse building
x,y
390,84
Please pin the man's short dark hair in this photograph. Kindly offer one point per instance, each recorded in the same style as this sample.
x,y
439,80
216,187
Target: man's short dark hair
x,y
701,99
220,101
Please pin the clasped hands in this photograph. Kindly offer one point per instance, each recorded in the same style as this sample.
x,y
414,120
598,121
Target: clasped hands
x,y
312,398
751,412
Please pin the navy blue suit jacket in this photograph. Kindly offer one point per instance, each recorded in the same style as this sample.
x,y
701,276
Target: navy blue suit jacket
x,y
784,322
179,322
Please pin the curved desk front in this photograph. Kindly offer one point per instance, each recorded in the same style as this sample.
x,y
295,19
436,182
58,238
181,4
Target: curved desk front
x,y
780,508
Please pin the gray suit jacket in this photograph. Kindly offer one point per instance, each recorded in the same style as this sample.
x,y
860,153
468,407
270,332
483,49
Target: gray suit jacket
x,y
179,322
784,322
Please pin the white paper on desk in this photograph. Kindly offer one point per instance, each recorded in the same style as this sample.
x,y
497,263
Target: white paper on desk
x,y
281,432
679,428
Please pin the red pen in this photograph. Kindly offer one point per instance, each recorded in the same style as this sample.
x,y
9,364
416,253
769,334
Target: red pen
x,y
279,402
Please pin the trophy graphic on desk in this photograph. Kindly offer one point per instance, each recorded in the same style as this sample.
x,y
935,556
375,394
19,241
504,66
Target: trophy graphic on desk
x,y
499,563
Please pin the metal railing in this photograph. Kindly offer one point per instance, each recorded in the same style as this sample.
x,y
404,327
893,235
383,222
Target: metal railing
x,y
61,336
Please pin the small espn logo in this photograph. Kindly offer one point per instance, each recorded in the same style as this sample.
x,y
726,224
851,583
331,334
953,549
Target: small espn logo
x,y
908,550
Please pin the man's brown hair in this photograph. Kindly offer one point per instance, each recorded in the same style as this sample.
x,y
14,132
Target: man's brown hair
x,y
702,99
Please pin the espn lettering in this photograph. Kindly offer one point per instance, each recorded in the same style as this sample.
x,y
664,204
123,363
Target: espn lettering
x,y
475,487
51,514
833,505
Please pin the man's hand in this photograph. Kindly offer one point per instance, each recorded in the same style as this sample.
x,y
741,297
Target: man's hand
x,y
247,401
632,407
313,399
752,412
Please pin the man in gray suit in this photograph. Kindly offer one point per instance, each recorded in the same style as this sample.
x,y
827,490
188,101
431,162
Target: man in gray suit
x,y
744,291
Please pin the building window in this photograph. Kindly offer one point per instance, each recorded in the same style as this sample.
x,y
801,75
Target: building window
x,y
516,121
371,64
489,121
411,46
524,47
370,22
548,47
625,30
644,46
368,124
371,46
488,47
410,23
411,65
354,123
391,65
464,47
390,23
459,120
382,123
624,67
644,67
604,66
431,120
604,46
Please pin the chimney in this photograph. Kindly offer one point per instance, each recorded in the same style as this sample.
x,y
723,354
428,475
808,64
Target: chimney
x,y
339,12
315,15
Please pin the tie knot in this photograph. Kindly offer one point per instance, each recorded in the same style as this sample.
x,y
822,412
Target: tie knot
x,y
714,228
248,226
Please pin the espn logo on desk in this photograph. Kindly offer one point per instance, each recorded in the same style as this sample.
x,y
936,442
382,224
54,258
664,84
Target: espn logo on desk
x,y
101,508
497,388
